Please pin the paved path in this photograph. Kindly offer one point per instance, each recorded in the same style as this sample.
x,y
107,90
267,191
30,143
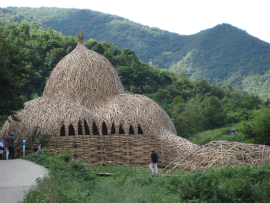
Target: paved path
x,y
16,178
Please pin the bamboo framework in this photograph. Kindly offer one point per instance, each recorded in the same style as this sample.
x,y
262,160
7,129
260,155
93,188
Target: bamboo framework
x,y
222,153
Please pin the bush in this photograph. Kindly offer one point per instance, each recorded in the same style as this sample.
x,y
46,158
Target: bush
x,y
258,129
64,156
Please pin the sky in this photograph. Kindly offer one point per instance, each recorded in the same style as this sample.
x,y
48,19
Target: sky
x,y
184,17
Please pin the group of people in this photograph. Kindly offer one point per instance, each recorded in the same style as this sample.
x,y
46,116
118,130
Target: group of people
x,y
8,144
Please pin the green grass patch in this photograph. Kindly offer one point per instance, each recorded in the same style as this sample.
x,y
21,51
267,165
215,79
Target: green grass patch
x,y
205,137
70,181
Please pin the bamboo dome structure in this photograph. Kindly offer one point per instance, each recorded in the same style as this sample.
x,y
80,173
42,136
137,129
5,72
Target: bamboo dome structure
x,y
85,108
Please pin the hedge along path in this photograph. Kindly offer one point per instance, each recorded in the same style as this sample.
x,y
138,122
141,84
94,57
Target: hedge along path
x,y
85,108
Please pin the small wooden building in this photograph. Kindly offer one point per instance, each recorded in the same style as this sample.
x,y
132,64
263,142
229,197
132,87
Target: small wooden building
x,y
232,131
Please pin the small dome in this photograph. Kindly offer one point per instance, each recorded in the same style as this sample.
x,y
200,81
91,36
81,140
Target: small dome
x,y
49,113
137,110
85,77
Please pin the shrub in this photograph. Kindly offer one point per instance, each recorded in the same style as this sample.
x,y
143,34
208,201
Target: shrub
x,y
258,129
64,156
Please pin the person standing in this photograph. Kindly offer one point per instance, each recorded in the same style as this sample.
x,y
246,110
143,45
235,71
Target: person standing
x,y
39,147
1,149
11,147
154,160
2,141
6,146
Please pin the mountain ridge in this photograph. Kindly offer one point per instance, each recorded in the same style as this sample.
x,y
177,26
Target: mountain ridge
x,y
223,53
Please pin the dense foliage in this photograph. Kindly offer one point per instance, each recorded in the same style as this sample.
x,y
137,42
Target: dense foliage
x,y
12,76
254,129
71,181
221,54
195,105
41,50
257,128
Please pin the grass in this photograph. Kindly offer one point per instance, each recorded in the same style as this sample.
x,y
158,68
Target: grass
x,y
205,137
70,181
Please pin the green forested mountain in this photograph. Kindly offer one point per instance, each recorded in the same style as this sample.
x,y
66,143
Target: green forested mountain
x,y
221,54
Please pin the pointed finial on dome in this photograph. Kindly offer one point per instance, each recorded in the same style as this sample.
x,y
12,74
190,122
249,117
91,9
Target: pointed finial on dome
x,y
80,35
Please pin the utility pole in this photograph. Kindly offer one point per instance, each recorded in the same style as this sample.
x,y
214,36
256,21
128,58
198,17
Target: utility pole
x,y
268,87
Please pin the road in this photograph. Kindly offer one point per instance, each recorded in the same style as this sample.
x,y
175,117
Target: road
x,y
17,176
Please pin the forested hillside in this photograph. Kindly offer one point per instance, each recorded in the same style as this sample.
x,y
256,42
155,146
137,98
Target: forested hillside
x,y
195,105
223,54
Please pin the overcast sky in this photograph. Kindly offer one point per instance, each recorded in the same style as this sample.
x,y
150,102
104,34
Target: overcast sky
x,y
180,16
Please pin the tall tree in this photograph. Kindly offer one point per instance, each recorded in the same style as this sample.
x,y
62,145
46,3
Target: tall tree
x,y
12,77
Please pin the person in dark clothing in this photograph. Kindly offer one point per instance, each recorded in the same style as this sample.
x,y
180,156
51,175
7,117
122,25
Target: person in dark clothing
x,y
11,147
154,160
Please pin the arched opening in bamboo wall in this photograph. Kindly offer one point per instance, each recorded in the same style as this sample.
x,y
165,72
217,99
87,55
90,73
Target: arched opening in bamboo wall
x,y
121,131
95,129
80,131
86,128
104,129
113,130
71,131
131,131
63,131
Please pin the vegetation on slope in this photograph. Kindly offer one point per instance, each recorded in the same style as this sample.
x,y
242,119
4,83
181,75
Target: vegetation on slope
x,y
255,129
228,55
221,54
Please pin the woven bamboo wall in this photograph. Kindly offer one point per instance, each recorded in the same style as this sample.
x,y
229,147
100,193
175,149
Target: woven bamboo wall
x,y
95,148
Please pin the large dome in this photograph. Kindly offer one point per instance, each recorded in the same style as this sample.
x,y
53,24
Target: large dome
x,y
84,77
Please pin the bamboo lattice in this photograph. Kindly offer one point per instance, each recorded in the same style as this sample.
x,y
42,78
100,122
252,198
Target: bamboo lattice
x,y
222,153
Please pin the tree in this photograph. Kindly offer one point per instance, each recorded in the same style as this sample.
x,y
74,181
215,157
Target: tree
x,y
44,139
188,123
32,137
258,129
12,77
213,115
98,48
36,135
